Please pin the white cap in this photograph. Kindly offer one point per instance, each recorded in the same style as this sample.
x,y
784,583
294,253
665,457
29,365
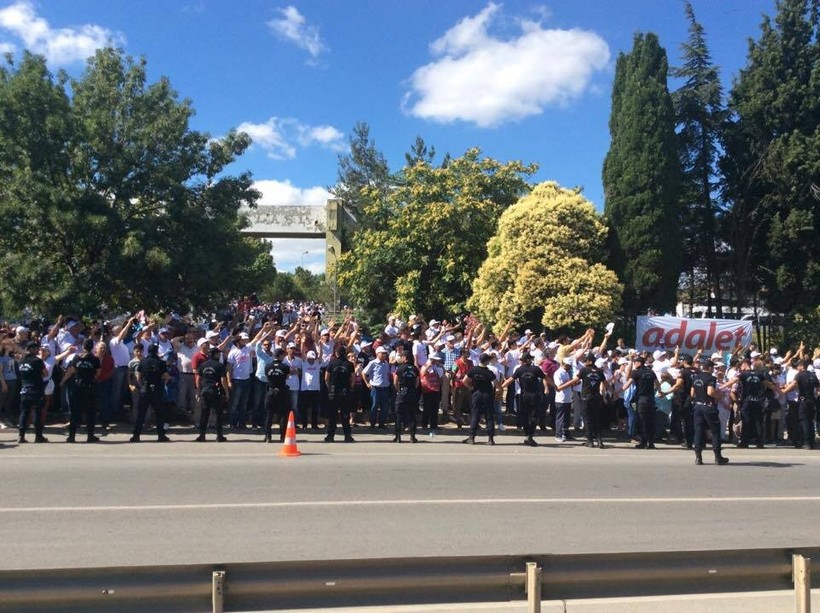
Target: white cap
x,y
291,345
773,351
755,354
281,333
21,329
244,336
433,322
568,361
657,354
553,345
201,342
324,331
527,331
211,334
600,362
717,356
437,356
310,354
381,349
449,338
610,327
623,361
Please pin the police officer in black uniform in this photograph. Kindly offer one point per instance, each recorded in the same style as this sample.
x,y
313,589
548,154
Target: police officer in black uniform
x,y
753,383
152,374
807,385
703,392
481,380
645,385
211,384
683,400
276,397
83,393
531,380
32,389
341,379
593,383
406,381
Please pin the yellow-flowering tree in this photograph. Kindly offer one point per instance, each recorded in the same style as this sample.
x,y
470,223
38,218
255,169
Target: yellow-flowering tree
x,y
428,237
543,264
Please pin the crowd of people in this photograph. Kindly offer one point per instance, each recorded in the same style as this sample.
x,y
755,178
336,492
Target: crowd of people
x,y
246,368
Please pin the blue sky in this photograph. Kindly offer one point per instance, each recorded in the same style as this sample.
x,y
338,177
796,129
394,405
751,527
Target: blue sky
x,y
521,80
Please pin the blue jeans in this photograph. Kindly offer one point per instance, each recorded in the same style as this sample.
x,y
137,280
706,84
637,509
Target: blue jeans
x,y
118,382
104,400
240,395
630,419
379,401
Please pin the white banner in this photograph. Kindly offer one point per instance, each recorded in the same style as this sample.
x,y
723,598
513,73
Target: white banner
x,y
710,335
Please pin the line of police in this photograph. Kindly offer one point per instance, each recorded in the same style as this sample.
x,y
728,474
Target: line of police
x,y
211,384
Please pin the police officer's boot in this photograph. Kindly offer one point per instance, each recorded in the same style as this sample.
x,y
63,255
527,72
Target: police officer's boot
x,y
491,441
698,457
70,438
21,438
470,440
720,460
600,442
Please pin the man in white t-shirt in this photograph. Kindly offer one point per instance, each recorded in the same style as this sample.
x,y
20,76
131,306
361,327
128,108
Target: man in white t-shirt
x,y
240,360
186,348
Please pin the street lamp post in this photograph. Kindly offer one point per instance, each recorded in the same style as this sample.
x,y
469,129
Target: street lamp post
x,y
304,253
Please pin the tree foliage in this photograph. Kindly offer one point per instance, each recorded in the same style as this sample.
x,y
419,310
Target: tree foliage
x,y
699,113
771,165
544,264
109,199
428,236
642,179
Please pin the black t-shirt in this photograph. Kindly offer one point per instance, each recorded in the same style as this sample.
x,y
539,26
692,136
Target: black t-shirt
x,y
591,378
277,373
686,374
340,371
482,378
700,384
751,386
31,373
806,384
86,365
210,374
152,369
406,375
529,378
644,380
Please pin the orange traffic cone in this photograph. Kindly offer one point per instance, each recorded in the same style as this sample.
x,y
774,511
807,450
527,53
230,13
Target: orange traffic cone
x,y
289,449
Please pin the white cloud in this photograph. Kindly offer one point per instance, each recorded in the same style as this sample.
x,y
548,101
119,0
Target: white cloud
x,y
484,79
7,48
285,193
277,136
293,26
59,45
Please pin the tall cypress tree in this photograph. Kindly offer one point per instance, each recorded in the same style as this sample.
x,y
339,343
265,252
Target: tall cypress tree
x,y
700,112
771,165
642,180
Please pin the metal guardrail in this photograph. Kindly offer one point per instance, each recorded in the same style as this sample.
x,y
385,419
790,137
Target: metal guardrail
x,y
394,581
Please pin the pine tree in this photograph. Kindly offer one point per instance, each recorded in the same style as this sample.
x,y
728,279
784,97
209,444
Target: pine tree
x,y
642,180
699,112
771,165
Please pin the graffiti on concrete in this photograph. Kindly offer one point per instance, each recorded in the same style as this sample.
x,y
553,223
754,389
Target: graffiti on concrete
x,y
287,221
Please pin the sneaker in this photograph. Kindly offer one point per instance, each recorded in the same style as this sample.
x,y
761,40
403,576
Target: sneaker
x,y
133,439
221,439
500,427
92,439
200,439
559,439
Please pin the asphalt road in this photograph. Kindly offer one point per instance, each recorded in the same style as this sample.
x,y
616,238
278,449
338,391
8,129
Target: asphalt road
x,y
115,503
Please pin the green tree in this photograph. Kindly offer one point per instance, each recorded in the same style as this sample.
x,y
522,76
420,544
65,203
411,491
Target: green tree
x,y
771,165
427,241
544,264
700,113
363,179
642,180
109,200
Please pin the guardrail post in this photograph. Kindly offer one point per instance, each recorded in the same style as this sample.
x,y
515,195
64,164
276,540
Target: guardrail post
x,y
801,576
533,588
218,591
